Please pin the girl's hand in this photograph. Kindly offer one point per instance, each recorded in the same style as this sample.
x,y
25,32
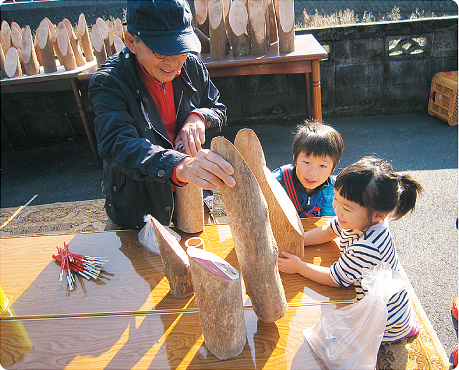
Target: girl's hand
x,y
291,264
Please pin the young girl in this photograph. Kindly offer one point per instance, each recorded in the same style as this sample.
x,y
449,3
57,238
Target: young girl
x,y
367,194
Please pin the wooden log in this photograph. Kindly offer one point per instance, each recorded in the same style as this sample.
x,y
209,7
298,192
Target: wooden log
x,y
37,49
271,21
217,29
219,299
83,35
29,58
104,31
226,9
286,225
75,45
5,36
189,209
119,29
239,29
46,47
253,238
12,63
285,13
202,24
258,30
118,43
53,32
16,38
176,264
99,45
2,61
65,48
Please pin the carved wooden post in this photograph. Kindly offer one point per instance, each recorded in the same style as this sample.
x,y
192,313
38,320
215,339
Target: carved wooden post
x,y
285,223
202,22
83,34
258,30
218,292
176,264
65,48
254,242
53,32
46,47
99,45
12,63
5,36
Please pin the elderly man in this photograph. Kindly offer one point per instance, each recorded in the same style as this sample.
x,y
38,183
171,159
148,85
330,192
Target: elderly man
x,y
154,105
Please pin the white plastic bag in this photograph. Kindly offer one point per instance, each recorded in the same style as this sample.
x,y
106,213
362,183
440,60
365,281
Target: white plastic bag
x,y
147,235
349,338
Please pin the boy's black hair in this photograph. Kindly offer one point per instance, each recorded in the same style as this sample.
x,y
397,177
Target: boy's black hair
x,y
318,139
372,183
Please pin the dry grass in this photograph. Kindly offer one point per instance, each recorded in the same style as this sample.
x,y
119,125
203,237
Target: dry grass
x,y
348,17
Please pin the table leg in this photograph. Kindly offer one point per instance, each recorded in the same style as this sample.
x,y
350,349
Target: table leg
x,y
316,91
77,93
307,79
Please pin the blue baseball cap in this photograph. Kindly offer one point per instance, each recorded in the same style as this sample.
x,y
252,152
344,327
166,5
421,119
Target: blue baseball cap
x,y
164,26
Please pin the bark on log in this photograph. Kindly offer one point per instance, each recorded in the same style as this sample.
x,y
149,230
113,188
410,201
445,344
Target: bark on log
x,y
53,32
286,225
217,29
258,30
46,47
189,209
286,25
99,45
75,45
104,31
118,28
29,58
253,238
65,48
202,23
239,29
5,36
83,35
176,264
37,49
219,299
12,63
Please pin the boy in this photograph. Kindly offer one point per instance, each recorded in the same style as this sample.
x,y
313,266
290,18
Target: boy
x,y
317,150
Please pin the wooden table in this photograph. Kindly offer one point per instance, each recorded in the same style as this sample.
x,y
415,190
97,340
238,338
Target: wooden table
x,y
305,59
128,319
56,81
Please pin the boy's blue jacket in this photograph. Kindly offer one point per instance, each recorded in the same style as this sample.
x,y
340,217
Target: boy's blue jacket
x,y
318,204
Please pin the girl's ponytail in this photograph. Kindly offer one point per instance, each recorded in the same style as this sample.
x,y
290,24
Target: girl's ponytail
x,y
409,190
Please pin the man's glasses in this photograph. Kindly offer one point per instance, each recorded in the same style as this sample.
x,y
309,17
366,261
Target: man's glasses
x,y
160,56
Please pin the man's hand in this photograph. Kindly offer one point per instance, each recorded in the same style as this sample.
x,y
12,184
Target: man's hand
x,y
192,134
207,170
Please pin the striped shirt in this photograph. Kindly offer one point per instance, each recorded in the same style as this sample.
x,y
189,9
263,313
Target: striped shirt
x,y
360,250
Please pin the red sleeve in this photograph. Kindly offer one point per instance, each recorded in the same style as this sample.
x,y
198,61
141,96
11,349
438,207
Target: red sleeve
x,y
174,179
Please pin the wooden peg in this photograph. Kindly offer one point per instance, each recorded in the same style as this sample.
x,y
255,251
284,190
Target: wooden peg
x,y
258,30
37,49
286,25
16,38
83,35
99,45
74,43
104,31
29,58
18,27
119,29
248,217
239,29
12,63
111,33
52,30
218,291
202,23
118,43
5,36
46,46
65,48
217,30
189,209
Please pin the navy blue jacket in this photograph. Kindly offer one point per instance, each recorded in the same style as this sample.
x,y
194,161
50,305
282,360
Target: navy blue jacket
x,y
138,157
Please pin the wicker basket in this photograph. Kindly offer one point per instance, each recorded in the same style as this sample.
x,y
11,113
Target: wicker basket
x,y
443,97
